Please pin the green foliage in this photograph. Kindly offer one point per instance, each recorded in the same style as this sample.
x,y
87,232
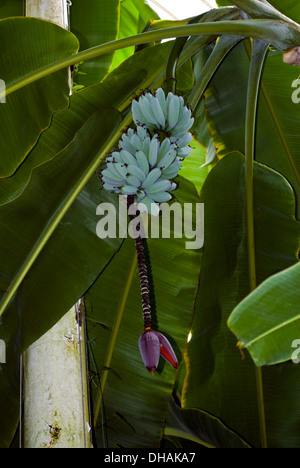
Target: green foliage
x,y
30,111
51,147
269,342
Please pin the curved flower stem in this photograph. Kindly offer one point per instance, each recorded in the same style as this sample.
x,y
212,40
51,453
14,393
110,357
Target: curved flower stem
x,y
143,273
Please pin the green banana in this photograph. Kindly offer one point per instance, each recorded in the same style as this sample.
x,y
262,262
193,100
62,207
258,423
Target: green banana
x,y
152,177
142,162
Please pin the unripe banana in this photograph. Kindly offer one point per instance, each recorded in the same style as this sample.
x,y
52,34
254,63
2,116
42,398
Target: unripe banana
x,y
132,180
134,170
148,204
142,162
160,186
137,114
184,140
121,169
147,111
157,111
116,157
164,148
111,188
167,160
172,170
173,111
160,96
184,152
142,132
129,190
146,164
111,181
162,197
153,151
111,172
184,124
152,177
127,157
140,194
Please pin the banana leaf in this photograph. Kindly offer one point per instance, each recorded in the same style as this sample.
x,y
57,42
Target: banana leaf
x,y
267,321
30,44
221,379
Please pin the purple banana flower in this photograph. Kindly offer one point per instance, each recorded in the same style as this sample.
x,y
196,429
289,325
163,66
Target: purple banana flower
x,y
153,344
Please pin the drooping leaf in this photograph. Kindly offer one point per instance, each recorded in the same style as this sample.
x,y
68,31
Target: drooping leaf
x,y
267,321
30,44
277,136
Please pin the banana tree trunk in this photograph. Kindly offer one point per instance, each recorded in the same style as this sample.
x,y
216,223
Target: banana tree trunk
x,y
55,389
51,10
56,410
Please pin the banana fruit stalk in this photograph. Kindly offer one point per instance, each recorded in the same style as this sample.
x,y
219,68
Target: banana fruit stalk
x,y
149,156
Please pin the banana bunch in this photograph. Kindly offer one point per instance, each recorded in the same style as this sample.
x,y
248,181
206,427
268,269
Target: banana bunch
x,y
167,115
146,162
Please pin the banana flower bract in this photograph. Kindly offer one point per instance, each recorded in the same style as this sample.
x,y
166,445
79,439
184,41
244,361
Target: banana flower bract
x,y
152,345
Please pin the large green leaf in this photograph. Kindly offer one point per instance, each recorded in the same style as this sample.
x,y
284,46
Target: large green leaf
x,y
285,36
11,8
192,166
277,136
219,380
267,321
30,44
49,249
134,404
65,126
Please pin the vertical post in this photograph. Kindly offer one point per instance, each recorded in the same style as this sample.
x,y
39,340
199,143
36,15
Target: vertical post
x,y
56,409
50,10
55,389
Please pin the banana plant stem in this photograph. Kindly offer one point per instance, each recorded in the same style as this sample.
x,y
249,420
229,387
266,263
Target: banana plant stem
x,y
142,266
